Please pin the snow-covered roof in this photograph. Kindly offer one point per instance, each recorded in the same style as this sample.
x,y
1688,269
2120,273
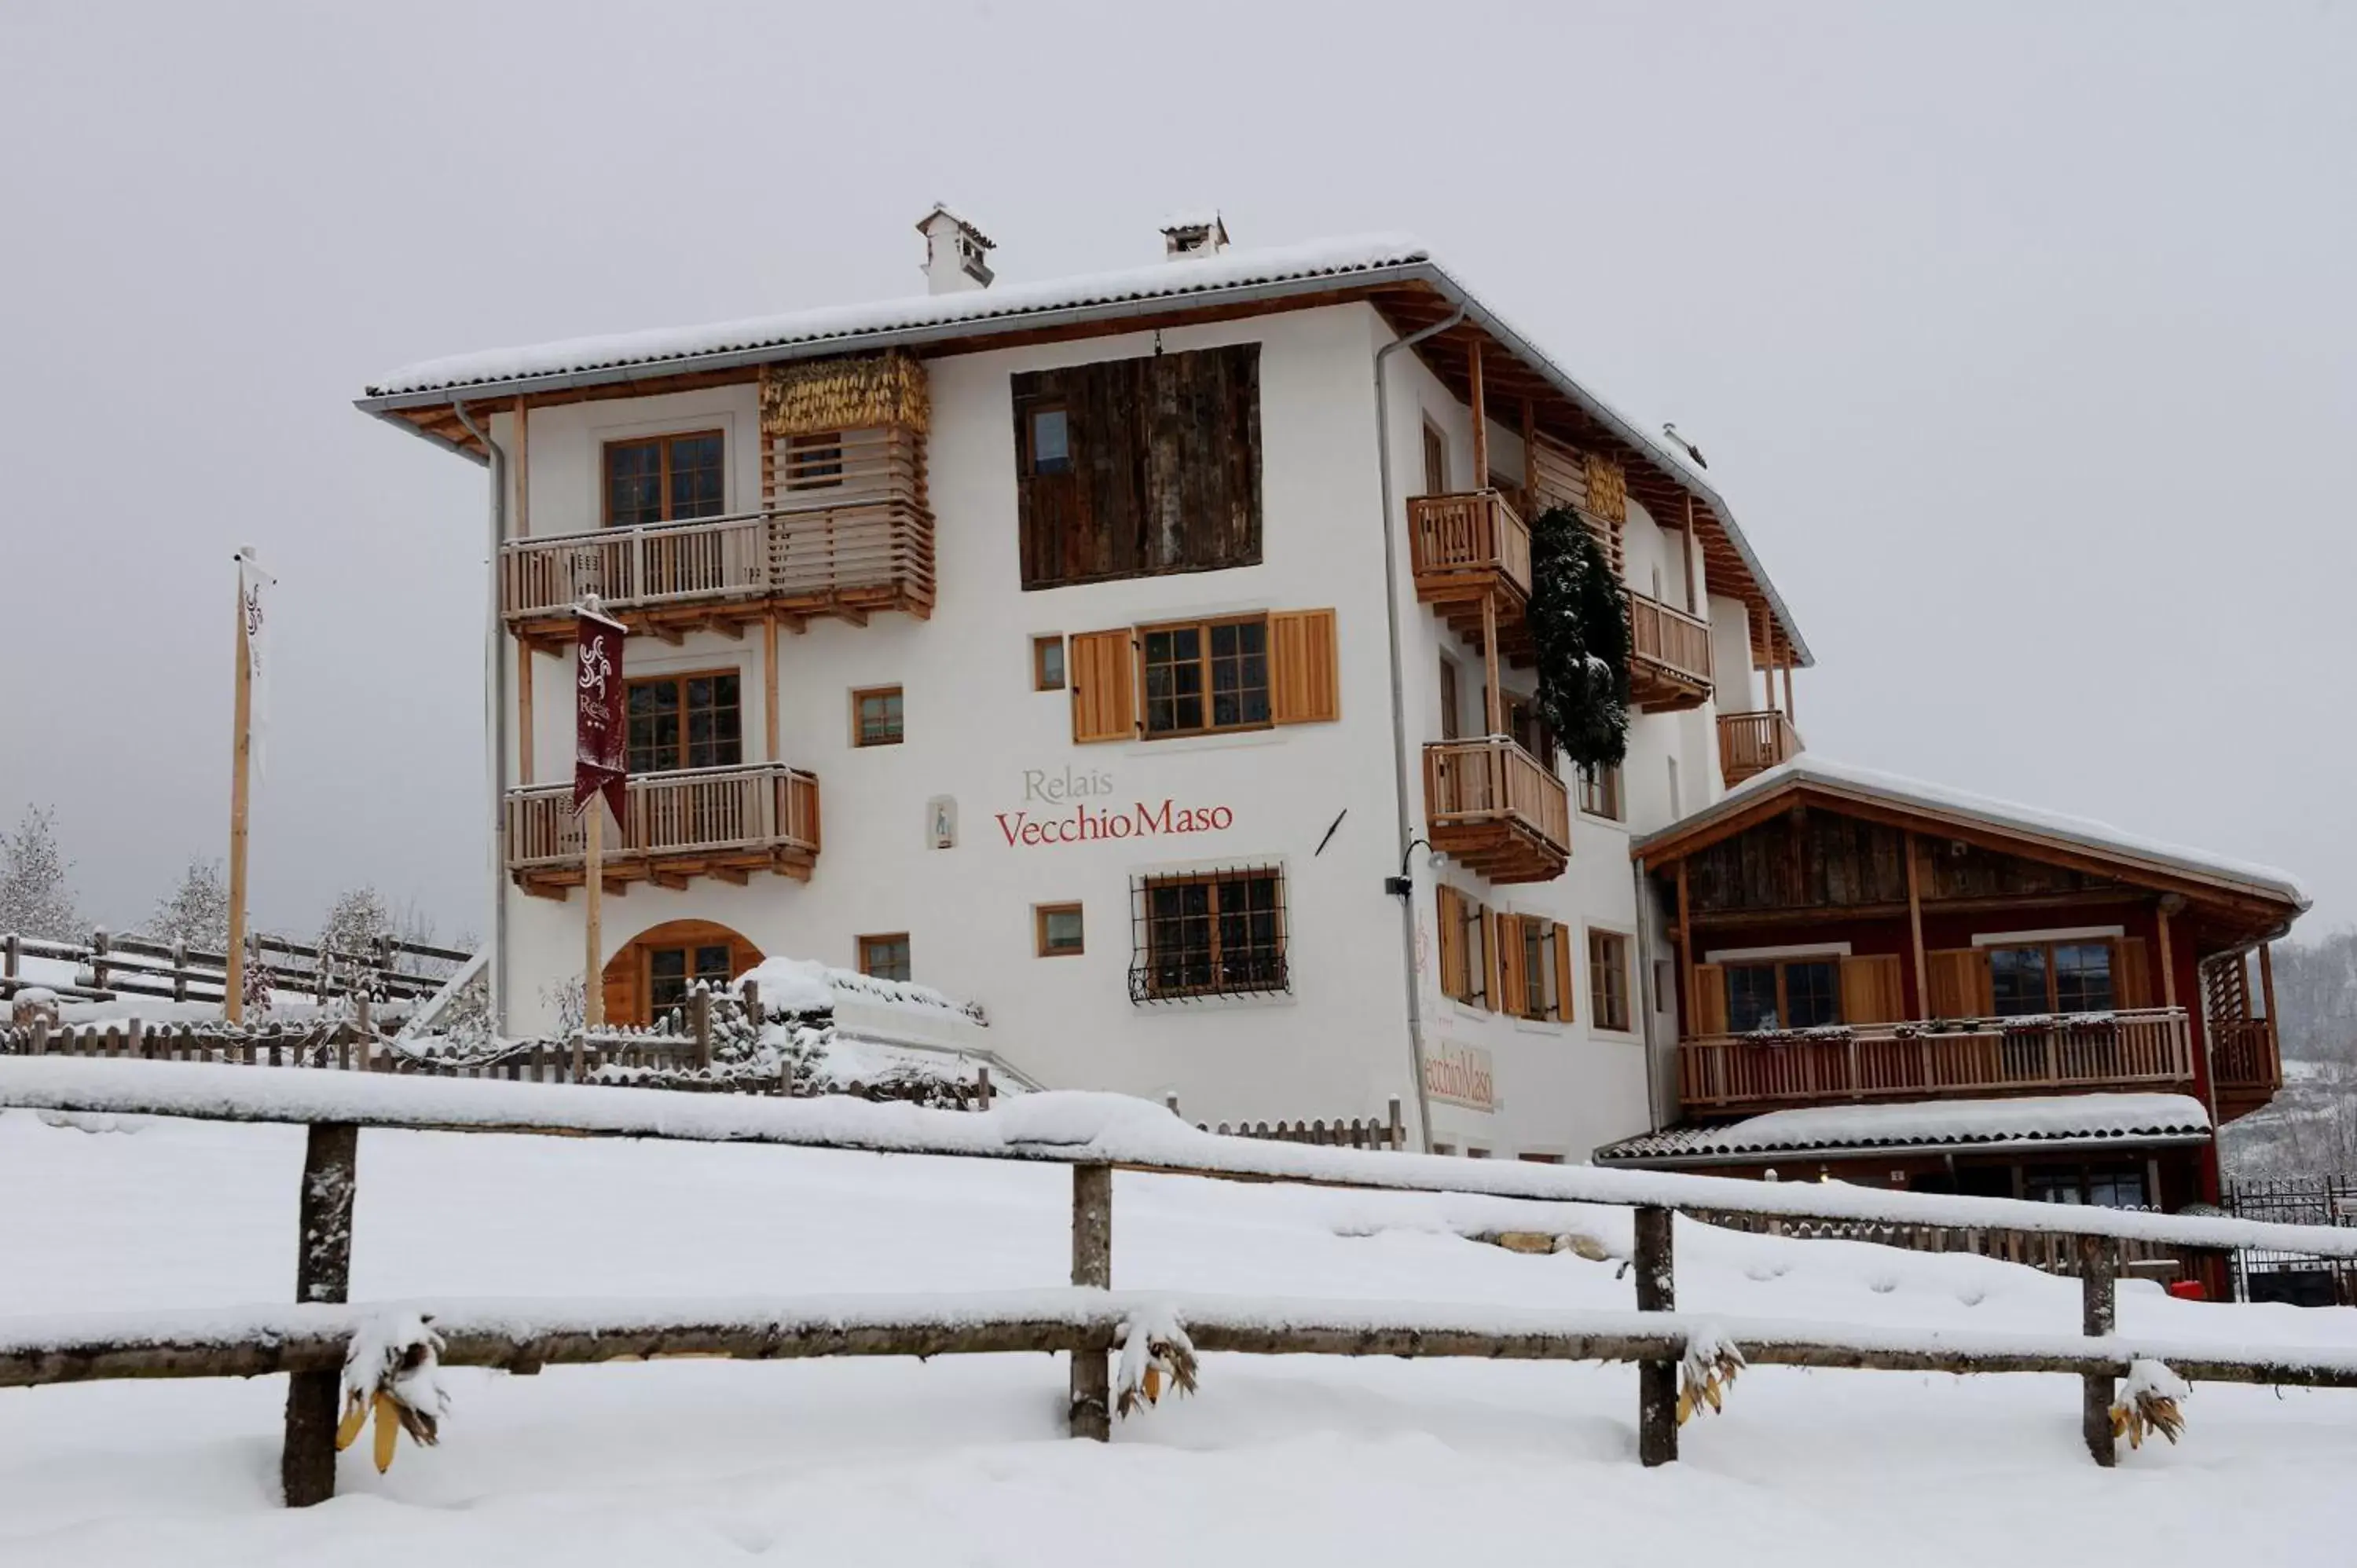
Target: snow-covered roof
x,y
2048,1120
1194,275
1824,773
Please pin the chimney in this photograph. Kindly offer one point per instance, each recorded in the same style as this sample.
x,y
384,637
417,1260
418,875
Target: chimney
x,y
1198,233
953,252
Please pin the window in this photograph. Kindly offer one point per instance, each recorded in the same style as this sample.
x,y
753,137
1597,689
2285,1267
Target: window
x,y
1465,963
1055,930
1599,791
1533,967
1048,663
672,972
885,958
1226,660
875,717
1530,732
814,460
1452,724
1539,939
1435,462
1793,994
2112,1187
1607,979
2051,977
1211,934
665,479
1048,439
684,721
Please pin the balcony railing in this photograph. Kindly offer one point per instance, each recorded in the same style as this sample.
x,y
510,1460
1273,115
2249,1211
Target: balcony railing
x,y
716,821
1497,809
1754,743
1669,665
2243,1059
2144,1049
1468,542
827,550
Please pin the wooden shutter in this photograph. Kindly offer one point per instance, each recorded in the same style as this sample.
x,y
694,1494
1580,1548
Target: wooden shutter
x,y
1451,915
1512,993
2133,985
1960,983
1305,681
1489,997
1871,990
1563,973
1104,688
1709,1000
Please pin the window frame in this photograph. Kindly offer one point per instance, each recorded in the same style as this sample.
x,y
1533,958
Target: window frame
x,y
1610,981
662,444
688,951
1604,790
864,946
1145,960
1203,629
680,680
1452,701
1436,459
1040,946
1041,646
2049,950
1828,959
1027,456
1543,938
859,731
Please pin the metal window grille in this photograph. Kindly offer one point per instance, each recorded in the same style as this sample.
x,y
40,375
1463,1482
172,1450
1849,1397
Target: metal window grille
x,y
1209,934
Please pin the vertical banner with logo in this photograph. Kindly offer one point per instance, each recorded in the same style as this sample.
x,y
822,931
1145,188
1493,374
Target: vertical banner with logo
x,y
600,764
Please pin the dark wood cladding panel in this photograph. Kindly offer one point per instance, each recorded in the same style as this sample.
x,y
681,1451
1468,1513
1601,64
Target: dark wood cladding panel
x,y
1818,859
1166,468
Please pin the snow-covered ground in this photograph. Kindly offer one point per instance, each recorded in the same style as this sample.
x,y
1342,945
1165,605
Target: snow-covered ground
x,y
1276,1460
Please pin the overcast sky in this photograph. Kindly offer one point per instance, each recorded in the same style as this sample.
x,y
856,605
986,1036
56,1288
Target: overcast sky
x,y
2023,344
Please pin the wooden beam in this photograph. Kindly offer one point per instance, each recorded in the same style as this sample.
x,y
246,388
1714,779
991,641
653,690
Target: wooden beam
x,y
1480,417
1090,1408
2167,963
1490,661
1657,1377
1686,1010
2267,985
524,713
1530,456
1915,929
769,686
323,1266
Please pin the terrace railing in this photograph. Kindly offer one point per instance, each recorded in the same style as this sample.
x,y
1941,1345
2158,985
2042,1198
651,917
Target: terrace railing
x,y
1753,743
1469,537
756,806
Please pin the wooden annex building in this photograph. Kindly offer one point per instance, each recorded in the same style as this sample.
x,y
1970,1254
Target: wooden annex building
x,y
1897,985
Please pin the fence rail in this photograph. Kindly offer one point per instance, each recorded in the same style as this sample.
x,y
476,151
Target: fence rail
x,y
2146,1047
134,965
308,1342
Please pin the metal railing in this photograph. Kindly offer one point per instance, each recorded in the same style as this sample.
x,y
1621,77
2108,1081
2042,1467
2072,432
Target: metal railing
x,y
2140,1049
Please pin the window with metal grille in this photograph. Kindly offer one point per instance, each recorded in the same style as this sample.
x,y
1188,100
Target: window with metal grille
x,y
1213,933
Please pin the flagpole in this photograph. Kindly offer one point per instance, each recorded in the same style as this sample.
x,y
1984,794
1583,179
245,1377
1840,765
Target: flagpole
x,y
241,759
593,989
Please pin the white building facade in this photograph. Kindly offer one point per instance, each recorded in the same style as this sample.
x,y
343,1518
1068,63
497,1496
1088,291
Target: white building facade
x,y
917,712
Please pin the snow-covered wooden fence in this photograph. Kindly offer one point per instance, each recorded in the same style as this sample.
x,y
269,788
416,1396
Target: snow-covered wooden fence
x,y
124,966
1095,1135
1358,1133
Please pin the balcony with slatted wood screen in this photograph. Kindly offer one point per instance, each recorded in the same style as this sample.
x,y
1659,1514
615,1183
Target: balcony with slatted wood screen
x,y
728,823
1497,810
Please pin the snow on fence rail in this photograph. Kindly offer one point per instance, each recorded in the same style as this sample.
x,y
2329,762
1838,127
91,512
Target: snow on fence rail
x,y
123,965
1094,1134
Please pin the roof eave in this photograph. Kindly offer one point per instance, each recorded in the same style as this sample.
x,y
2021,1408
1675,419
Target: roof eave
x,y
2078,1143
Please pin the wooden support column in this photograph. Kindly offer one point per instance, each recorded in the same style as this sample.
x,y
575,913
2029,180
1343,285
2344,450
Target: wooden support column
x,y
1915,928
1530,457
1788,685
2167,959
2267,989
1657,1382
1480,417
2099,1267
323,1266
769,683
1091,1401
1489,663
1686,1009
520,528
524,713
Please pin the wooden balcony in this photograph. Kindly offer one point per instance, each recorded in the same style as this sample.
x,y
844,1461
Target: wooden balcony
x,y
1467,549
2147,1050
845,543
1754,743
2245,1063
726,822
1669,657
1496,809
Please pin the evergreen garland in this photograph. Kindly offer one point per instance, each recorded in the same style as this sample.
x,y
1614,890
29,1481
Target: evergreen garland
x,y
1580,619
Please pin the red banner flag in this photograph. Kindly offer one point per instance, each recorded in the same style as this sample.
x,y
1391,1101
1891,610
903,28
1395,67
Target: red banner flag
x,y
601,762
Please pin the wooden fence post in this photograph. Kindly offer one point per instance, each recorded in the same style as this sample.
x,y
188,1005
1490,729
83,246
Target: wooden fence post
x,y
323,1264
11,955
699,1020
179,971
98,959
2099,1265
982,1085
1398,1127
1091,1405
748,995
1657,1382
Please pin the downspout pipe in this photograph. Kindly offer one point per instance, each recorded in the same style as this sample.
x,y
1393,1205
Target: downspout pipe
x,y
1403,887
495,724
1649,996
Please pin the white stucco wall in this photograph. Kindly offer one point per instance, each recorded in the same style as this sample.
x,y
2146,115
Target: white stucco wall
x,y
1337,1045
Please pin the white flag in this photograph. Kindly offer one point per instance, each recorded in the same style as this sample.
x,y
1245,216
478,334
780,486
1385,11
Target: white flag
x,y
252,580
